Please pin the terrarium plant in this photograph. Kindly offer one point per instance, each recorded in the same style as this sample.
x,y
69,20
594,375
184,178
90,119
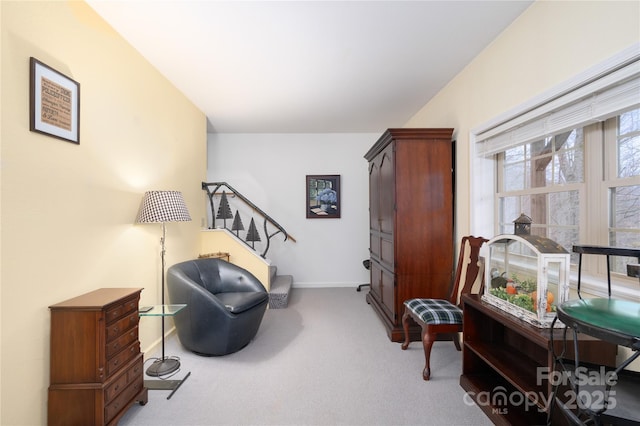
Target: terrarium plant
x,y
522,293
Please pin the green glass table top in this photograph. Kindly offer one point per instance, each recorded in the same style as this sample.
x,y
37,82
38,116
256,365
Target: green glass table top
x,y
160,310
613,317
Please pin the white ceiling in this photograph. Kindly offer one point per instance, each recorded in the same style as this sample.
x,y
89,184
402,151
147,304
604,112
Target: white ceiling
x,y
309,66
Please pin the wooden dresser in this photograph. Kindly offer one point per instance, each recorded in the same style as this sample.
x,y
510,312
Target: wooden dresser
x,y
411,221
96,364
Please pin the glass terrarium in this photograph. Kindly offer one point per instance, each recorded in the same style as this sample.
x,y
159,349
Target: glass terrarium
x,y
527,276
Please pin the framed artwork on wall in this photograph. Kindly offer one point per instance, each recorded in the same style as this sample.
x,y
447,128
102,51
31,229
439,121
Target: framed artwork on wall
x,y
323,196
54,103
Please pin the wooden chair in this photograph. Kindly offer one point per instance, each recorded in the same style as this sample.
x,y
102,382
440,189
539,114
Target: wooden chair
x,y
439,316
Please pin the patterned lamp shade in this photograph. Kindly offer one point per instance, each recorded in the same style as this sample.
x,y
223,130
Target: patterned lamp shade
x,y
163,206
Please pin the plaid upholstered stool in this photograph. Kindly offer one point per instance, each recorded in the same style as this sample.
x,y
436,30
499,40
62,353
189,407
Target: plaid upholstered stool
x,y
435,311
439,316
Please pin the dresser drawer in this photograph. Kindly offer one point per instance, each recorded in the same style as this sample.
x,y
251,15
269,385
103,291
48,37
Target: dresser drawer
x,y
119,343
132,374
121,309
135,372
115,388
119,327
122,358
121,401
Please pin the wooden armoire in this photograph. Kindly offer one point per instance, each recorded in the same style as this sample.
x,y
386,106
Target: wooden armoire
x,y
411,208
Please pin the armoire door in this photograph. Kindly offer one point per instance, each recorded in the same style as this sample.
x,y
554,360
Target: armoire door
x,y
382,209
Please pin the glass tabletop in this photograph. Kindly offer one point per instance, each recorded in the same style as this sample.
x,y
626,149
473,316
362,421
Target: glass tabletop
x,y
612,320
160,310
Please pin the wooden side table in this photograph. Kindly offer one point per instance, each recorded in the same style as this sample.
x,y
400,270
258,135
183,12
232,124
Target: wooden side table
x,y
163,384
611,320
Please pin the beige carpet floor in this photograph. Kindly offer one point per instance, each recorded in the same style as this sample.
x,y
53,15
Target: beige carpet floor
x,y
324,360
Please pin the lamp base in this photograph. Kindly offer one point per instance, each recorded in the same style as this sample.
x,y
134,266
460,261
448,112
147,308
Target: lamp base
x,y
162,367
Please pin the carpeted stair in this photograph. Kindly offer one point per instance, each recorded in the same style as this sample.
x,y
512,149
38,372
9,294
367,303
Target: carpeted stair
x,y
280,289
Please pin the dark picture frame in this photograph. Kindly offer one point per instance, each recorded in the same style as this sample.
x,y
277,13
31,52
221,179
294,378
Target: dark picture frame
x,y
323,196
54,103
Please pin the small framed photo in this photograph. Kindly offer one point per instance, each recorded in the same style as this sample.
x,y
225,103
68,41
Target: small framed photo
x,y
323,196
54,103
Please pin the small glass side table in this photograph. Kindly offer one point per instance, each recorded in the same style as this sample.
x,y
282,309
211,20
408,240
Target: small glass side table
x,y
164,365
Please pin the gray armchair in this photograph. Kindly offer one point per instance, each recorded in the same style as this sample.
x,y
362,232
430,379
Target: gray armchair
x,y
225,305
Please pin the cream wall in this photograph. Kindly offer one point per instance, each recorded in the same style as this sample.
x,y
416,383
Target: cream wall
x,y
551,42
68,210
547,45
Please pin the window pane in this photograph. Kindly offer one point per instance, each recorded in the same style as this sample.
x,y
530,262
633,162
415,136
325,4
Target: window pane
x,y
564,219
626,240
514,154
542,172
566,237
553,161
625,207
629,157
571,166
624,216
574,140
514,176
540,147
569,160
509,208
625,223
629,144
537,210
564,208
629,122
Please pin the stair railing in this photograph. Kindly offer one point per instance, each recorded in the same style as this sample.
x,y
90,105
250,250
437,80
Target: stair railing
x,y
224,213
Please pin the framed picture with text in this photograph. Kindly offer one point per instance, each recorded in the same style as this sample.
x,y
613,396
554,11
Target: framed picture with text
x,y
323,196
54,103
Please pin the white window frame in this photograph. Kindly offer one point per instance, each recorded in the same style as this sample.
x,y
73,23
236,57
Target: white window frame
x,y
595,95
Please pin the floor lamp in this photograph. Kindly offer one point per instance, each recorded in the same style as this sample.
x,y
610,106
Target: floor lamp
x,y
163,207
